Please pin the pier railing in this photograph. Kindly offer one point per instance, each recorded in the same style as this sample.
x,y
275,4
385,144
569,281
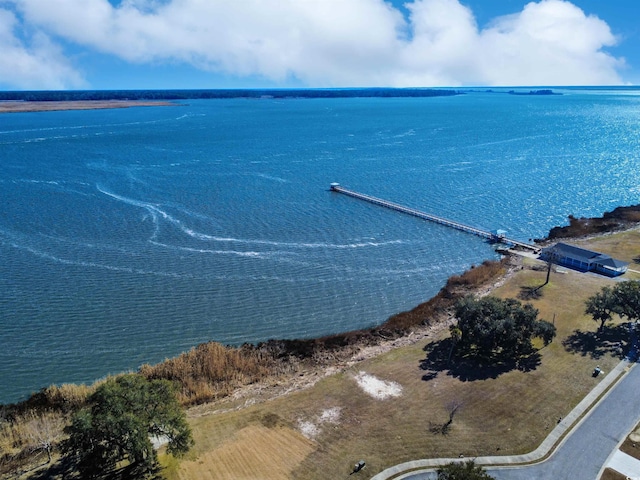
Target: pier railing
x,y
434,218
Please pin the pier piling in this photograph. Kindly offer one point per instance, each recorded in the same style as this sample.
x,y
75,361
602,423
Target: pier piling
x,y
495,237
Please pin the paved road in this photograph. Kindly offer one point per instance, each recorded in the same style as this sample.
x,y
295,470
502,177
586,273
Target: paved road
x,y
584,453
587,448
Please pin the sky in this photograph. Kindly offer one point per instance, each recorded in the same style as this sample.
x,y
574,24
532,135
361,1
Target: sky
x,y
187,44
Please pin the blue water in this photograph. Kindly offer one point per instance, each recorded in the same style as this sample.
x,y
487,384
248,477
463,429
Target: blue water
x,y
129,236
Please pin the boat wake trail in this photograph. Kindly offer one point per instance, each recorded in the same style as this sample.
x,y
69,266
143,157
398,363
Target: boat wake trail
x,y
159,214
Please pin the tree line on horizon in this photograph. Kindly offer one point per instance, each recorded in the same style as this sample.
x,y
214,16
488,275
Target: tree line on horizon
x,y
103,95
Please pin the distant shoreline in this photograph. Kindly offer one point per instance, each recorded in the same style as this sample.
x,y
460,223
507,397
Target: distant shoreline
x,y
173,95
11,106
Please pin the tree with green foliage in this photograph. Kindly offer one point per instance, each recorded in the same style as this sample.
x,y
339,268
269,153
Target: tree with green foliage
x,y
462,471
602,306
123,415
628,297
493,328
623,299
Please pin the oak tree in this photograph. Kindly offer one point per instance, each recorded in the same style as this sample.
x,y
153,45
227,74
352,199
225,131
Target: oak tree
x,y
602,306
498,329
123,415
623,299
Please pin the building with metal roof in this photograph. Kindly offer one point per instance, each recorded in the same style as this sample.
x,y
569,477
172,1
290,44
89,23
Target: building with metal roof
x,y
583,260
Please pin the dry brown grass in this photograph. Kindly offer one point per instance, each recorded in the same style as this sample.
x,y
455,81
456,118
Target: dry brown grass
x,y
212,370
477,276
501,413
610,474
273,450
32,430
29,438
631,445
64,398
68,397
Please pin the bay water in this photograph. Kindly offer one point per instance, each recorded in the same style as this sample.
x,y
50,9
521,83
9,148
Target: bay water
x,y
131,235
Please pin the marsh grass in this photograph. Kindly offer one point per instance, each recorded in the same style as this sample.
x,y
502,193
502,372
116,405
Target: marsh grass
x,y
211,370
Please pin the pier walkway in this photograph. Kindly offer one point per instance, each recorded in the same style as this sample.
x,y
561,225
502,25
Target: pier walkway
x,y
495,237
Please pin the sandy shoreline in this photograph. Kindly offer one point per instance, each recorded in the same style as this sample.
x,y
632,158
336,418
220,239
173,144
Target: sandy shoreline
x,y
20,106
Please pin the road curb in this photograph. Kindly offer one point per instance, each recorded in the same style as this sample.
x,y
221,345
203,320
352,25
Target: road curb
x,y
545,450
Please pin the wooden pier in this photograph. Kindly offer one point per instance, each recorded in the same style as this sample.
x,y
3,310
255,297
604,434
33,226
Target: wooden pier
x,y
494,237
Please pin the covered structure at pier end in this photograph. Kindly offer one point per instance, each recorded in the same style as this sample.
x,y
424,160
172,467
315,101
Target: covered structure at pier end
x,y
583,260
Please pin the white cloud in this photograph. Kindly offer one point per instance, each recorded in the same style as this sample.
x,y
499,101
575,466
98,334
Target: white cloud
x,y
549,43
38,64
444,49
341,42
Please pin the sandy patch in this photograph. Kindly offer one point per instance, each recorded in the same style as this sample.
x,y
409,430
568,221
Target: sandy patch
x,y
308,429
331,415
378,389
312,429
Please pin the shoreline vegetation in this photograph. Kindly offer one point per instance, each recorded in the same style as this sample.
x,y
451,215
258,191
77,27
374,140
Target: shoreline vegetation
x,y
212,372
618,219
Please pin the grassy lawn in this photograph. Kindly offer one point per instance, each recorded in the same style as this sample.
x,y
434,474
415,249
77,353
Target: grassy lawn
x,y
321,432
623,246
